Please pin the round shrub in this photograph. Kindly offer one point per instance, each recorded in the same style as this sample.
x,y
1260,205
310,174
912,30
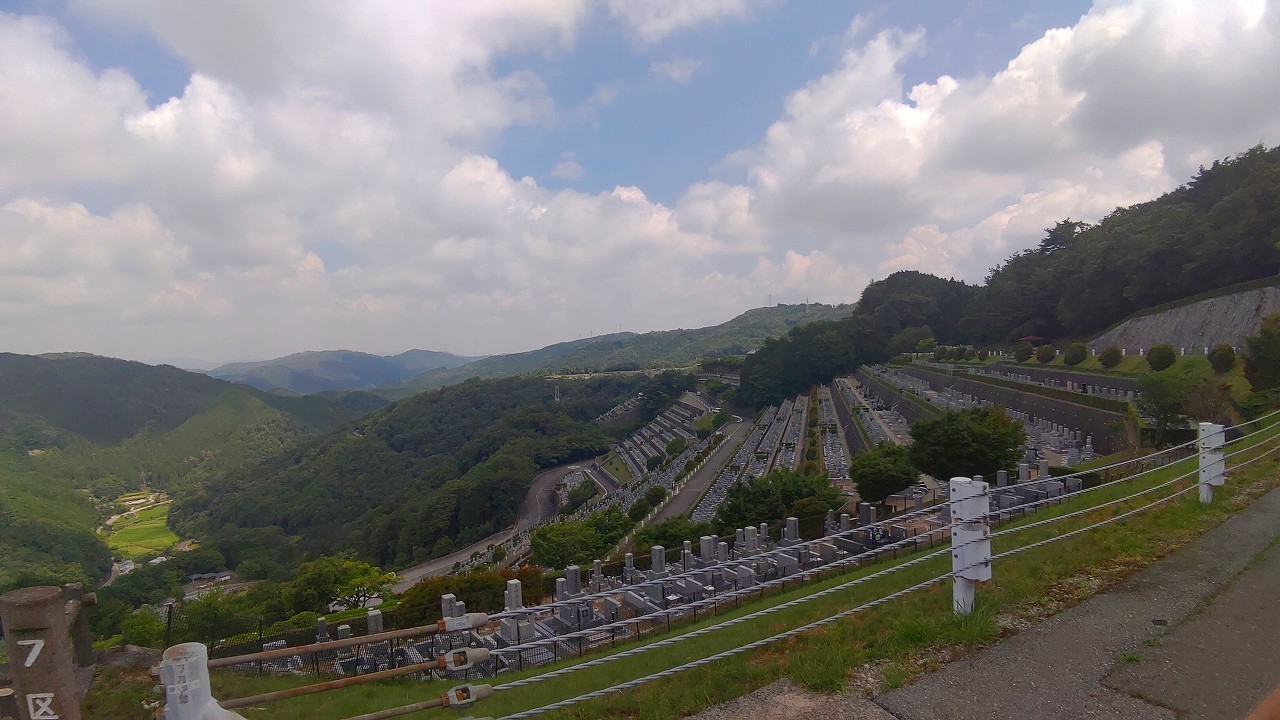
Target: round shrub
x,y
1023,352
939,354
1110,357
983,354
1046,353
1222,358
1161,357
970,354
1075,354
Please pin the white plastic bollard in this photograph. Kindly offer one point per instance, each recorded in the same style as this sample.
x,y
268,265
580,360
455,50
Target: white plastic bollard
x,y
1213,466
970,541
184,672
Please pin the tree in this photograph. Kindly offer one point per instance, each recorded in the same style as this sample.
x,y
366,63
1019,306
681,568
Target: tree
x,y
675,447
1046,353
321,582
655,494
639,509
978,441
911,339
983,354
882,471
1262,355
767,499
811,512
1206,401
654,462
672,533
1075,354
1162,400
939,353
1023,352
361,582
1222,358
1110,357
1161,357
142,628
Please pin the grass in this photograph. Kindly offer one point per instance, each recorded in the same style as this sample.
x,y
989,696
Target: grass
x,y
143,533
1129,658
1094,401
1190,369
894,642
613,465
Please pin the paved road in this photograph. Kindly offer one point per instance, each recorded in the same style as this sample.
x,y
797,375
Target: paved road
x,y
539,504
1210,608
683,503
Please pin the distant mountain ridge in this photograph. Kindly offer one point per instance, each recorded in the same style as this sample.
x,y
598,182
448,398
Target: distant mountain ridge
x,y
325,370
626,350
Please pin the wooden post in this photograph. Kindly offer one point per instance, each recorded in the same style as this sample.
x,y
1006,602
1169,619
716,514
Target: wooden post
x,y
40,654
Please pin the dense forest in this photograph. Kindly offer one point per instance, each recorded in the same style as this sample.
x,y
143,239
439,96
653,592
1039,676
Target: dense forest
x,y
78,430
1219,229
416,480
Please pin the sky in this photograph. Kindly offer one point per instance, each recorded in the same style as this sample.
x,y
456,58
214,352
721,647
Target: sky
x,y
246,179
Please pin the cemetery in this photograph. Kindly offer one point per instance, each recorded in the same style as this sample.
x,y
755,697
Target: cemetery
x,y
762,450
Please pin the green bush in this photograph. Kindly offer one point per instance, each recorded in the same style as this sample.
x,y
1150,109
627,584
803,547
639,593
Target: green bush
x,y
1161,357
939,354
1023,352
983,354
970,354
639,509
1222,358
1262,355
1046,353
1111,357
1075,354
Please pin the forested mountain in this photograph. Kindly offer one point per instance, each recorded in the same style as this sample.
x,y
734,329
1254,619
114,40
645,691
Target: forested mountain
x,y
494,366
680,348
412,481
318,371
1219,229
631,351
73,426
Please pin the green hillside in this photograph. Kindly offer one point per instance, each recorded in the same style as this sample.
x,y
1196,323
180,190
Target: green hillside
x,y
495,366
681,348
1220,229
327,370
75,427
412,481
630,351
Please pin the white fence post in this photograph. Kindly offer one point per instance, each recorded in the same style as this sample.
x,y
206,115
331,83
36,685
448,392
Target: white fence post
x,y
1213,467
970,540
184,672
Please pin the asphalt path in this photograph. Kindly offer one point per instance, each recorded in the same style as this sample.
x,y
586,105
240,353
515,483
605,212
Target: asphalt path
x,y
539,504
683,503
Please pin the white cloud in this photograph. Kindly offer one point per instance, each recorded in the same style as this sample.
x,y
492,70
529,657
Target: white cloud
x,y
567,168
680,70
326,178
951,175
652,21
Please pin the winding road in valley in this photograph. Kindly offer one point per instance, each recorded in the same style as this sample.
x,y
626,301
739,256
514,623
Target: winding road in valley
x,y
539,505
